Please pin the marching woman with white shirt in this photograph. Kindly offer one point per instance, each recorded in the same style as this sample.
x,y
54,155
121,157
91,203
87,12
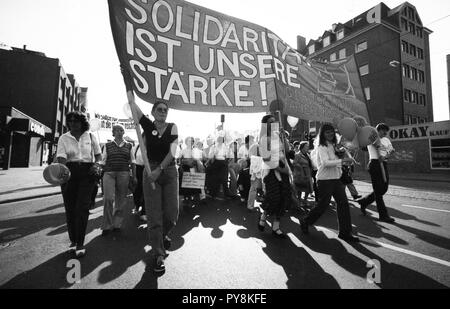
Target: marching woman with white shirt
x,y
219,169
78,150
329,185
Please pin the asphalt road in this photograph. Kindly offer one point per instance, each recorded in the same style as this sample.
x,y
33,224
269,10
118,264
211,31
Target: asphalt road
x,y
218,246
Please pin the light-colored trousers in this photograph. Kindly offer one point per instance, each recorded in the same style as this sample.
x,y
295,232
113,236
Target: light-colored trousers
x,y
161,207
115,188
254,186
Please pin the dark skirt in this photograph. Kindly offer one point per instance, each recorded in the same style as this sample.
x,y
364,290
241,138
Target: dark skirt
x,y
278,194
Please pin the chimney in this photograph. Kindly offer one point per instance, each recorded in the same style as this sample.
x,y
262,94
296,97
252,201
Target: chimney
x,y
301,43
24,47
333,28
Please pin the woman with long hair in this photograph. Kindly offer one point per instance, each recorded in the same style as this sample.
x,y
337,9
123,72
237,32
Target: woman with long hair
x,y
329,185
80,152
275,176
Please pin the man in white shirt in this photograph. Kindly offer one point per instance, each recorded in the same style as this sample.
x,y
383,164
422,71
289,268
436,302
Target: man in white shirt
x,y
378,170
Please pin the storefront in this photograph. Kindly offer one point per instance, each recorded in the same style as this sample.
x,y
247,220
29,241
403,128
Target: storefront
x,y
421,148
22,140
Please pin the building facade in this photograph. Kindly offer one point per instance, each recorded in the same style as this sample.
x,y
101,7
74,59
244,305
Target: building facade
x,y
37,87
391,48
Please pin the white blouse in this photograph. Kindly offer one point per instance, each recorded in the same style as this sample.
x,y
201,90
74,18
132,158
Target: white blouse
x,y
78,151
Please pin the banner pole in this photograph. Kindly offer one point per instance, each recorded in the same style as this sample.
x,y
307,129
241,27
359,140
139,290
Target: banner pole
x,y
143,147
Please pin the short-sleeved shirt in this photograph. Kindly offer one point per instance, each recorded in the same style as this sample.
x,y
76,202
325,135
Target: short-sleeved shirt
x,y
157,146
83,150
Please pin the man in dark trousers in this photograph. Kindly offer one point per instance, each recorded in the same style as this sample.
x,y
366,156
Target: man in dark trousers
x,y
378,170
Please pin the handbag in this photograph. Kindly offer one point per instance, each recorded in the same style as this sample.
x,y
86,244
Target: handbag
x,y
96,170
346,177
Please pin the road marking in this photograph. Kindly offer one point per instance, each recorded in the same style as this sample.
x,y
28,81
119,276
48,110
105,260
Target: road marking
x,y
401,250
432,209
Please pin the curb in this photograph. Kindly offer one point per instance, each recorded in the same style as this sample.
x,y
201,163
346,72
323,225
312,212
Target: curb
x,y
26,198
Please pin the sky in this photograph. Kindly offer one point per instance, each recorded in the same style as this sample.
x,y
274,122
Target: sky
x,y
78,33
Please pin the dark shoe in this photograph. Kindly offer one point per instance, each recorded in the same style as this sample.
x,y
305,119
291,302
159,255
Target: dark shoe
x,y
362,205
167,242
357,197
80,252
72,247
304,227
159,265
105,233
387,220
349,238
279,234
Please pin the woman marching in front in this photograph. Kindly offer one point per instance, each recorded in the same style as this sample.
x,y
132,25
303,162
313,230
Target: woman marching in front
x,y
78,150
275,176
118,157
329,185
161,185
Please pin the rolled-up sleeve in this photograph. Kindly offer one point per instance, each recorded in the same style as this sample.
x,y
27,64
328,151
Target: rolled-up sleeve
x,y
61,152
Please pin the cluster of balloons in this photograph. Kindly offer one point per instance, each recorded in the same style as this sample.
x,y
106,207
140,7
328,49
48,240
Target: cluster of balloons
x,y
357,132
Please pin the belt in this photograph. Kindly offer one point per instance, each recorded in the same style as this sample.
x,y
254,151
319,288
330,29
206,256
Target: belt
x,y
159,163
79,163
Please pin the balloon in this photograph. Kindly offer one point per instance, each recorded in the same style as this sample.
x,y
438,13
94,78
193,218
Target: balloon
x,y
367,136
56,174
292,121
127,111
95,124
361,121
348,128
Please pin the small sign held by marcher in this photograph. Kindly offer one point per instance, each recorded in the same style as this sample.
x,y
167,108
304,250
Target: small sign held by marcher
x,y
193,180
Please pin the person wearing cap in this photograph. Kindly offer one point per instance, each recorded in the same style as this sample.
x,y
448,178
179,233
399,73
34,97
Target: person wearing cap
x,y
161,184
80,151
378,169
118,159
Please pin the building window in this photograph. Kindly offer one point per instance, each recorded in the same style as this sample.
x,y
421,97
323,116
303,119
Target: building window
x,y
419,32
340,34
419,53
326,41
422,100
414,73
361,47
421,76
406,72
440,153
333,57
404,23
412,50
342,54
405,47
407,95
411,14
415,97
412,28
311,49
364,70
367,93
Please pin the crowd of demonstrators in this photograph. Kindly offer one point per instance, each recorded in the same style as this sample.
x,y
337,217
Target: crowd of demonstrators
x,y
267,169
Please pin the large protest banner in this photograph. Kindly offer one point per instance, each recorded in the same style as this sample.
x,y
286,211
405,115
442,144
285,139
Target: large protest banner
x,y
201,60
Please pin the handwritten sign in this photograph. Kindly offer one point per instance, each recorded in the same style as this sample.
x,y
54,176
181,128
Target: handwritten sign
x,y
193,180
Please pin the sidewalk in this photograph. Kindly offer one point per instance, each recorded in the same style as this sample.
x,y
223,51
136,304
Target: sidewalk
x,y
18,184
